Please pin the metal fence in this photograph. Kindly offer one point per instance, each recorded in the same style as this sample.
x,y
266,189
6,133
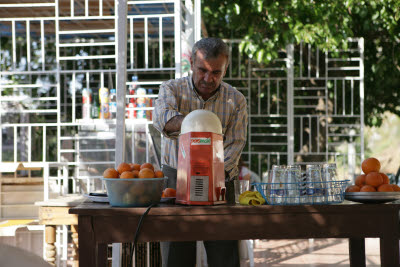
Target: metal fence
x,y
50,55
304,107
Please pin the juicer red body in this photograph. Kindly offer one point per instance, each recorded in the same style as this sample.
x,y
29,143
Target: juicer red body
x,y
201,175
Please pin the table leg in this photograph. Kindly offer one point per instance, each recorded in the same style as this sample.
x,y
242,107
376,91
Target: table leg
x,y
389,251
102,255
357,252
91,253
50,238
75,245
86,242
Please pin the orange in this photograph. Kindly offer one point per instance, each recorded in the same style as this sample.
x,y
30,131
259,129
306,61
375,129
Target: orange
x,y
395,187
124,167
146,173
385,188
374,179
147,165
135,166
353,188
127,175
135,173
169,192
367,188
370,165
159,174
110,173
385,178
360,180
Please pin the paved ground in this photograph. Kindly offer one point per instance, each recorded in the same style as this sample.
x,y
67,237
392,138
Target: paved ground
x,y
309,253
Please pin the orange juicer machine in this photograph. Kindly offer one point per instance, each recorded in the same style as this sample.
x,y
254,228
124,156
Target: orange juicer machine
x,y
201,174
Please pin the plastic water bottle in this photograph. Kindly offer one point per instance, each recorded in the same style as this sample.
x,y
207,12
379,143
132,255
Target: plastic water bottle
x,y
141,103
132,88
86,103
149,103
130,113
104,103
95,112
113,102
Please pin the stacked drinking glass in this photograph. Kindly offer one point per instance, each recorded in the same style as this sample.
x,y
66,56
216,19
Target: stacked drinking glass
x,y
287,185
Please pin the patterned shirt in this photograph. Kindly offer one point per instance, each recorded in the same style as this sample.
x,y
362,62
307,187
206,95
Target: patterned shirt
x,y
179,97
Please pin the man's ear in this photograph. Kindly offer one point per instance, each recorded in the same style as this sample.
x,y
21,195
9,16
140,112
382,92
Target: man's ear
x,y
191,63
226,66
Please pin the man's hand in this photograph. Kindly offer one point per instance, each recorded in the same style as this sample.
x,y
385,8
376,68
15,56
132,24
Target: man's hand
x,y
174,124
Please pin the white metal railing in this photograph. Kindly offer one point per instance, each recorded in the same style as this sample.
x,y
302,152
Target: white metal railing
x,y
278,97
63,102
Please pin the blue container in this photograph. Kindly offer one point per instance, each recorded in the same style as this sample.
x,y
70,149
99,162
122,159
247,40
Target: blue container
x,y
134,192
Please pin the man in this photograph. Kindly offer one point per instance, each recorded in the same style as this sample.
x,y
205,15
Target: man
x,y
177,98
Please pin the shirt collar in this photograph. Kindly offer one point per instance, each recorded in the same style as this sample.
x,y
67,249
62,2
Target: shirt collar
x,y
213,97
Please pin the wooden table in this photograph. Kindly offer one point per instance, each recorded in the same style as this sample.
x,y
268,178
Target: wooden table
x,y
100,224
54,212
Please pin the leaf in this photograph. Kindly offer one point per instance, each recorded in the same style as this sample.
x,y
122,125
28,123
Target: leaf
x,y
268,26
260,55
259,5
397,15
269,56
237,9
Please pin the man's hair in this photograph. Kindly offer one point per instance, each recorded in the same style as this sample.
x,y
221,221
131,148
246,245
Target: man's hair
x,y
211,48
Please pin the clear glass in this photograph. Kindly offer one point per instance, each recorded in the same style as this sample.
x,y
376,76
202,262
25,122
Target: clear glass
x,y
333,190
293,182
276,187
241,186
315,189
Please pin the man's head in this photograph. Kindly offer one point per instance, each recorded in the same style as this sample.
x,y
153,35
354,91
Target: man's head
x,y
209,62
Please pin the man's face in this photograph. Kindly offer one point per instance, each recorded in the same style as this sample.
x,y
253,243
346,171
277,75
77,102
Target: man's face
x,y
208,73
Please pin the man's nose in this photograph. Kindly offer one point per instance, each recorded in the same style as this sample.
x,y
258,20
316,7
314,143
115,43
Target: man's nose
x,y
208,77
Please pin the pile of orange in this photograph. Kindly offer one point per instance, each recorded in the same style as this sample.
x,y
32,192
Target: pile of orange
x,y
372,180
133,170
169,192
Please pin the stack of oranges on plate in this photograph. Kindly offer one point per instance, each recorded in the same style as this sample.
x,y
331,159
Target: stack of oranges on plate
x,y
133,170
372,180
169,192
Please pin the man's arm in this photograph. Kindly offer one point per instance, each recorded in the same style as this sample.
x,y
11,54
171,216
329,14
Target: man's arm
x,y
174,124
235,138
166,117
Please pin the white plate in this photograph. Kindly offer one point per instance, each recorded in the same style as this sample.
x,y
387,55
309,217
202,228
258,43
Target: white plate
x,y
96,197
372,197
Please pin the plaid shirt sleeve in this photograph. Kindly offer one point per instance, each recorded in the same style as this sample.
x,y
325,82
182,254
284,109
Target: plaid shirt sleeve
x,y
165,108
235,138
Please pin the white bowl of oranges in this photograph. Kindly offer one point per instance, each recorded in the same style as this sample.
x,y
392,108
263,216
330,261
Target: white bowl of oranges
x,y
373,186
372,180
134,185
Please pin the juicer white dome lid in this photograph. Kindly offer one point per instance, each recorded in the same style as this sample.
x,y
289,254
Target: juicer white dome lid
x,y
201,120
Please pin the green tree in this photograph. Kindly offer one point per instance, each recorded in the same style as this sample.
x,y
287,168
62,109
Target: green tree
x,y
268,26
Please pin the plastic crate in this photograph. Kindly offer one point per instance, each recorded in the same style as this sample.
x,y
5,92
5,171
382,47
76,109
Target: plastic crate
x,y
329,192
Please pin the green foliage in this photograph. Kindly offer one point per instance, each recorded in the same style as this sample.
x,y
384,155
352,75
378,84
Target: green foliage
x,y
266,27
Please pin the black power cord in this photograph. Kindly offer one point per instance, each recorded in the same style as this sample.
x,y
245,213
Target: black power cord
x,y
137,233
